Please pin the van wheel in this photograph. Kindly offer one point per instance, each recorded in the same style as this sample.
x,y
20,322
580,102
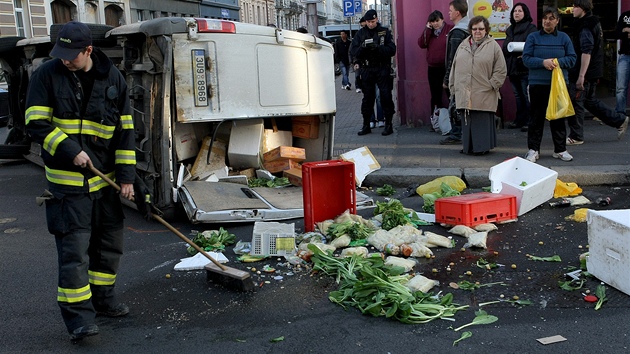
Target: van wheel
x,y
13,152
8,43
98,34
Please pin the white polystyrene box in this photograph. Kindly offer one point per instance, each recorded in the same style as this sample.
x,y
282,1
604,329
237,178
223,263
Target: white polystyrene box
x,y
245,143
609,247
531,183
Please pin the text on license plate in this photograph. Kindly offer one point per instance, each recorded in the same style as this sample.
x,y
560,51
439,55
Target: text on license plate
x,y
199,77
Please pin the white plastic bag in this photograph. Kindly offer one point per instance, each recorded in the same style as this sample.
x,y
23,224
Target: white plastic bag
x,y
444,120
435,117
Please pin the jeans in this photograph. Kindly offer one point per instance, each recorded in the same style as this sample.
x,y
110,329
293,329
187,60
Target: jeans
x,y
519,86
623,77
586,100
539,96
379,109
344,73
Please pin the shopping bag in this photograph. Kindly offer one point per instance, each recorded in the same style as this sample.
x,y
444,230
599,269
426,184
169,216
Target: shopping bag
x,y
435,116
560,105
444,121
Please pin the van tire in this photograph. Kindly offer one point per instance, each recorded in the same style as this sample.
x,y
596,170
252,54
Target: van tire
x,y
13,152
98,34
8,43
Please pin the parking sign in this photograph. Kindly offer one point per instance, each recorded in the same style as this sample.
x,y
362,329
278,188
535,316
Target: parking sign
x,y
348,8
357,7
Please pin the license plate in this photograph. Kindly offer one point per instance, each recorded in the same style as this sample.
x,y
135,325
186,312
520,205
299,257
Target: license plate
x,y
199,77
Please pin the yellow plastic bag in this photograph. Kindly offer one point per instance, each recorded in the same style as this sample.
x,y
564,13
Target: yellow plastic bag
x,y
435,185
560,105
566,189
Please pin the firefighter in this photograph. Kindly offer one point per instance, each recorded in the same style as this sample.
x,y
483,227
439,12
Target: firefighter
x,y
372,49
78,110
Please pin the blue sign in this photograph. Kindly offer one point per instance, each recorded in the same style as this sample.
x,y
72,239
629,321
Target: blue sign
x,y
357,7
348,8
225,13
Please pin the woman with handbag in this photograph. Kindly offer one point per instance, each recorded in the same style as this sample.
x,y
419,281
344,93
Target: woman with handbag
x,y
540,49
520,27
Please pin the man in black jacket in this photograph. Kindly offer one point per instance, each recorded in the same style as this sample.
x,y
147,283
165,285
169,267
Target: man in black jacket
x,y
372,48
78,110
588,42
342,46
457,11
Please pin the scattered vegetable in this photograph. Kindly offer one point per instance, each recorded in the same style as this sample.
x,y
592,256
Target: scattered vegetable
x,y
481,318
430,198
483,264
212,240
386,190
394,214
523,184
355,230
515,301
265,182
554,258
277,339
379,290
466,285
600,292
465,335
571,285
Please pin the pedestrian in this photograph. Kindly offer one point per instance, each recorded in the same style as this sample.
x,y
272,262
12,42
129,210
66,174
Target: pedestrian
x,y
540,49
623,61
588,42
477,74
520,27
457,10
433,39
373,48
357,75
342,46
78,110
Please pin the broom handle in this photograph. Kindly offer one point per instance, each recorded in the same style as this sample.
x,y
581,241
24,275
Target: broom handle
x,y
158,218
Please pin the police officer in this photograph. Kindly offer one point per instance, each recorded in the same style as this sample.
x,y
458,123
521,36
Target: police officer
x,y
78,110
372,49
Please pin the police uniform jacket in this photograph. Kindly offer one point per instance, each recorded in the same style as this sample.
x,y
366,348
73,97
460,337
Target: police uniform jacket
x,y
377,54
64,124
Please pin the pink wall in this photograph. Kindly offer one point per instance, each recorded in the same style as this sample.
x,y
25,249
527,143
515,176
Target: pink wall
x,y
413,86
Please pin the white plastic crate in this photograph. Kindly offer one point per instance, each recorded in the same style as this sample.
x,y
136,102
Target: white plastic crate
x,y
531,183
273,239
609,247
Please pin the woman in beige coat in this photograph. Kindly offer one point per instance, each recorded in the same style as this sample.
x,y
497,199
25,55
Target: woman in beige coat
x,y
477,74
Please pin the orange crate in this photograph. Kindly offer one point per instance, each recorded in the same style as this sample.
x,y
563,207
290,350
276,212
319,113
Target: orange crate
x,y
476,208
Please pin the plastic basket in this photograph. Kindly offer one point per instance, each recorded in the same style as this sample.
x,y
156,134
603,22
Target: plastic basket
x,y
476,208
273,239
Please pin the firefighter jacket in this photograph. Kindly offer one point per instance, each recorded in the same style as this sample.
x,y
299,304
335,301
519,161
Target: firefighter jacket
x,y
64,124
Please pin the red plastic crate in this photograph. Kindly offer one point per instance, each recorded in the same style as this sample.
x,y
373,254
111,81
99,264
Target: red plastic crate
x,y
476,208
328,191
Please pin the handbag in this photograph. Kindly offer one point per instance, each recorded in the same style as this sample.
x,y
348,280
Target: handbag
x,y
559,105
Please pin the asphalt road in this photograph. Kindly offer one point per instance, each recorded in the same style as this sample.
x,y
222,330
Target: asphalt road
x,y
185,313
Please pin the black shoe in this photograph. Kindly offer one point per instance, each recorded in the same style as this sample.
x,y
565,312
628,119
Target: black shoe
x,y
365,130
450,141
83,331
115,311
524,128
389,129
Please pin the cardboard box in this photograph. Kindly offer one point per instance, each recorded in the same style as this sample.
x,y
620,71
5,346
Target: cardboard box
x,y
531,183
201,168
294,175
281,165
364,162
305,127
284,153
609,247
272,140
186,145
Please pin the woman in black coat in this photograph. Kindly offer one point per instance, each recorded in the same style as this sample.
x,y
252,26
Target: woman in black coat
x,y
520,27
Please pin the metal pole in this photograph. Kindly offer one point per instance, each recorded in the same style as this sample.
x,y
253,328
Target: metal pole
x,y
311,18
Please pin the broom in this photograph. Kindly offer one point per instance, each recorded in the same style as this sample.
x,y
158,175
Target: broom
x,y
217,272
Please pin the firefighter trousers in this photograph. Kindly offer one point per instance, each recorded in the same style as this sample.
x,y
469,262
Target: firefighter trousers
x,y
88,230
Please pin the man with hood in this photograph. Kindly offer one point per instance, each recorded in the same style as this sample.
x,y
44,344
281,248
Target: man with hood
x,y
373,48
588,42
78,110
457,10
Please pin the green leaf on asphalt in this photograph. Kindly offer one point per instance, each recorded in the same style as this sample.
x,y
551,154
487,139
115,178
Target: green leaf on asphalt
x,y
276,340
554,258
465,335
482,318
600,292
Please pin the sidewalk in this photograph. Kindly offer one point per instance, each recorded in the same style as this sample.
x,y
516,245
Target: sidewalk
x,y
413,155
